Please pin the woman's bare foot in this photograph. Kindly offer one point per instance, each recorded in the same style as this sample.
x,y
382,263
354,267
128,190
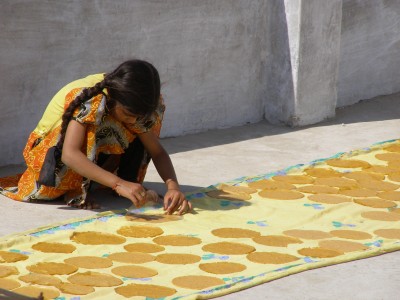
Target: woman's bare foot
x,y
152,196
88,203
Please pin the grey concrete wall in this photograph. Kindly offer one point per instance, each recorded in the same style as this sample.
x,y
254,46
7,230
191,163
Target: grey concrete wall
x,y
281,26
327,54
318,61
370,46
210,54
223,63
303,59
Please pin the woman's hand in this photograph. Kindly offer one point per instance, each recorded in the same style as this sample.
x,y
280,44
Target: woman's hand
x,y
174,200
133,191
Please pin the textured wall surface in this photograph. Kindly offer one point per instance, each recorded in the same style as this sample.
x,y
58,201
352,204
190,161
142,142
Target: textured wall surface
x,y
222,63
210,55
319,61
303,59
282,45
370,46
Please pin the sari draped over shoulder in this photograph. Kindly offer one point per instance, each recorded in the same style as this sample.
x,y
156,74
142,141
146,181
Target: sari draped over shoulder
x,y
104,135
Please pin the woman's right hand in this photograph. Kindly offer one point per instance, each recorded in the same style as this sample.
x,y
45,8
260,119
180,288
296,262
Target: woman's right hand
x,y
133,191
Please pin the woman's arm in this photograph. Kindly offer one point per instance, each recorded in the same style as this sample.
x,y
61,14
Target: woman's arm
x,y
174,198
73,157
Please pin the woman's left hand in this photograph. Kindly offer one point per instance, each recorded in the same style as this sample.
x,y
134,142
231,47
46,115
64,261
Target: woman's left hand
x,y
175,200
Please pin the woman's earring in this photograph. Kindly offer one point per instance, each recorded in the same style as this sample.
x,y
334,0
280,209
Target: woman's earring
x,y
109,103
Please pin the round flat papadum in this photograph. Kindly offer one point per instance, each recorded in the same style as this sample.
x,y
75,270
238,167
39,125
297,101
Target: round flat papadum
x,y
7,271
153,218
381,216
9,257
348,163
145,290
52,268
265,184
375,202
131,257
177,258
235,233
390,195
395,210
277,240
351,234
361,175
378,185
41,279
228,248
9,284
392,148
75,289
144,248
197,282
318,189
140,231
329,198
308,234
391,233
342,246
89,262
35,292
318,252
218,194
222,267
395,164
134,272
388,156
394,177
360,192
177,240
322,172
232,193
54,247
273,258
236,189
281,194
384,170
342,183
94,279
294,179
97,238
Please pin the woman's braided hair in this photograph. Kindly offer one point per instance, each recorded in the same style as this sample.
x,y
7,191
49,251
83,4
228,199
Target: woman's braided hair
x,y
135,84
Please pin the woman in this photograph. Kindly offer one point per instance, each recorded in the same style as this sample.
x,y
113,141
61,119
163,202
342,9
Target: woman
x,y
101,128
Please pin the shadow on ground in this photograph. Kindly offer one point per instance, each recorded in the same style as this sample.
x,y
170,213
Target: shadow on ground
x,y
377,109
110,201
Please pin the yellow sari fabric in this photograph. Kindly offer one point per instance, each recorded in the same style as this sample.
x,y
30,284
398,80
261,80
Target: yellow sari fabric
x,y
244,232
104,134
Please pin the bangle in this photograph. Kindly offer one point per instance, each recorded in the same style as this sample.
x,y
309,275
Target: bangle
x,y
115,188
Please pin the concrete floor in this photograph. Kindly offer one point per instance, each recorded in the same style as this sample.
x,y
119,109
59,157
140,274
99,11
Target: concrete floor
x,y
222,155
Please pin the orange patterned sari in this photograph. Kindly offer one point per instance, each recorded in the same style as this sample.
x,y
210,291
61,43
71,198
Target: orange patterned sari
x,y
104,134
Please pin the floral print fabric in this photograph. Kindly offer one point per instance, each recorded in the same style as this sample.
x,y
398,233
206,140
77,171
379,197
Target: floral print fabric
x,y
104,134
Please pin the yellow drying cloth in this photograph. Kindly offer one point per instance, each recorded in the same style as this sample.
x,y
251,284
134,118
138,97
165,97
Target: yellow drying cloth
x,y
242,233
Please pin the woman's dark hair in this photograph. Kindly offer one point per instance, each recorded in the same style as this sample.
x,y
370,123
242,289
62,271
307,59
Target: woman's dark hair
x,y
135,84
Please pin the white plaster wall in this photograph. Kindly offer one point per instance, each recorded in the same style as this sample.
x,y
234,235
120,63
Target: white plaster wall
x,y
283,23
210,54
370,46
223,63
302,61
